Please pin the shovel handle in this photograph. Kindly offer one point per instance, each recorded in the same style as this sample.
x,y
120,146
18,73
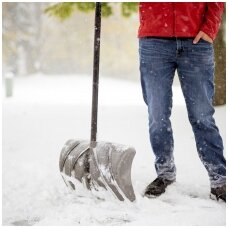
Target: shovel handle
x,y
96,60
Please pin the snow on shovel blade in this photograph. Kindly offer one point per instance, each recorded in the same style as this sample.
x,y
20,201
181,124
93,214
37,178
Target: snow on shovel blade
x,y
110,166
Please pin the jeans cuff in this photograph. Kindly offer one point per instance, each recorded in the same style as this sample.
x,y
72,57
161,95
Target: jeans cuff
x,y
218,183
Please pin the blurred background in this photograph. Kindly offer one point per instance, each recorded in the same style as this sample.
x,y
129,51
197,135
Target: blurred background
x,y
34,41
57,38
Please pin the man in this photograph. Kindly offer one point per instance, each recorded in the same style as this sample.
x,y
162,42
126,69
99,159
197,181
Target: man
x,y
179,36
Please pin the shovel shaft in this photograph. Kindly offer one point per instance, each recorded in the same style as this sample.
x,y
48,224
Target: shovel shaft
x,y
96,60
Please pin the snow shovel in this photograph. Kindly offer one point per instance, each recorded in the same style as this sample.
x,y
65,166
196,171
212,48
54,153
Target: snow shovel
x,y
95,164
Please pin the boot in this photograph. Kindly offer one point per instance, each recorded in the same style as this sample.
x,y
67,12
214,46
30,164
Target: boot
x,y
219,193
157,187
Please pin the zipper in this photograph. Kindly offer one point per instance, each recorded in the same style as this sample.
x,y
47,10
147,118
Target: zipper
x,y
174,19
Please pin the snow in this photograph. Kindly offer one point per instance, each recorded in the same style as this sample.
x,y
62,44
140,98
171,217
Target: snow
x,y
46,111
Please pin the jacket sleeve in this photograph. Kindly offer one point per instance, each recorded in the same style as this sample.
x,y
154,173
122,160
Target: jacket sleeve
x,y
212,19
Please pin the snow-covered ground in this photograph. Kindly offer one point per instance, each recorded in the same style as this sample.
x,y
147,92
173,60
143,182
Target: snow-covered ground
x,y
46,111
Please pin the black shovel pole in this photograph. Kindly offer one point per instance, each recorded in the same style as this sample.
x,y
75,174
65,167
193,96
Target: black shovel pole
x,y
96,61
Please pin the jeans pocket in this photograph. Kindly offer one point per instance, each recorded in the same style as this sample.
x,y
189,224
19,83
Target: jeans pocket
x,y
205,42
203,48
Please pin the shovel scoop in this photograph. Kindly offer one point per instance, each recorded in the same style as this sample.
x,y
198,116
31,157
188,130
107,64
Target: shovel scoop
x,y
109,167
95,164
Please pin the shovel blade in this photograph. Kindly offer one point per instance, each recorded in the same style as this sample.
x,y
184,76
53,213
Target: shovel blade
x,y
110,166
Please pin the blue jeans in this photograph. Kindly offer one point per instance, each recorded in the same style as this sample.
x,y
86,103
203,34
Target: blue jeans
x,y
159,58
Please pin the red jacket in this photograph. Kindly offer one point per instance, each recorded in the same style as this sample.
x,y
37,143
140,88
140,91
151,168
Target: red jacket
x,y
179,19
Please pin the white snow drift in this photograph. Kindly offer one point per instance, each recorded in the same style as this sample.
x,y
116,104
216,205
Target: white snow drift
x,y
45,111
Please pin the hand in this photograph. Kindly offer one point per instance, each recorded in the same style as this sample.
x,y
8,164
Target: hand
x,y
202,35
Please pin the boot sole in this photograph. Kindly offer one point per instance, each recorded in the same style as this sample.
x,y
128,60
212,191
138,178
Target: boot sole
x,y
151,196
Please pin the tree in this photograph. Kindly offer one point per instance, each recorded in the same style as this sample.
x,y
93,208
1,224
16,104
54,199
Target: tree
x,y
21,32
220,65
66,9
